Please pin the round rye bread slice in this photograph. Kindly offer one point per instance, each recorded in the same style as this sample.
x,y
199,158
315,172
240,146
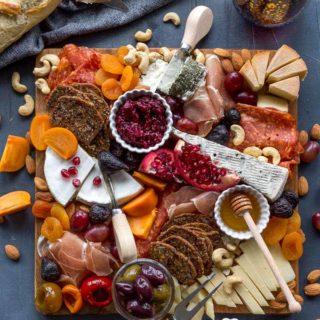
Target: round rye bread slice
x,y
177,263
88,88
185,247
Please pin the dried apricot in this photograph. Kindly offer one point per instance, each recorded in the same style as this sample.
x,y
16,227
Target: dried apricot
x,y
303,236
111,89
110,63
41,209
292,247
52,229
135,79
126,78
59,212
275,230
294,222
121,53
101,76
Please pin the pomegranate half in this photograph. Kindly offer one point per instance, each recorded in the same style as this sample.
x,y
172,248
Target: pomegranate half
x,y
197,169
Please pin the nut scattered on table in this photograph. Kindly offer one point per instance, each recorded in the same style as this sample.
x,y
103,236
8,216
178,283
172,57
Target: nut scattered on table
x,y
12,252
246,55
44,70
16,84
303,137
71,209
53,59
239,134
27,109
199,55
312,289
43,86
222,53
227,65
229,282
44,196
166,53
273,153
140,46
303,186
299,298
314,276
142,36
84,208
276,305
173,17
30,165
315,132
237,61
41,184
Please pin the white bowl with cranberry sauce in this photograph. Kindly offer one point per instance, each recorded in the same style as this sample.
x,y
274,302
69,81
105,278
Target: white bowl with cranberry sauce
x,y
135,132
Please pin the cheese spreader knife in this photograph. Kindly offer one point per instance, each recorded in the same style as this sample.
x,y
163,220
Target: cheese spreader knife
x,y
115,4
125,242
183,69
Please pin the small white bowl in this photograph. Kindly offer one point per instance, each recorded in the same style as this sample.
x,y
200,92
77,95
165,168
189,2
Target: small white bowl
x,y
264,212
132,95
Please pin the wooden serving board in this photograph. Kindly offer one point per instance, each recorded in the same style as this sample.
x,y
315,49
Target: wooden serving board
x,y
40,107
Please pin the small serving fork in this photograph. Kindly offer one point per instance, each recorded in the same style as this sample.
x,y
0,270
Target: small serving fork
x,y
182,313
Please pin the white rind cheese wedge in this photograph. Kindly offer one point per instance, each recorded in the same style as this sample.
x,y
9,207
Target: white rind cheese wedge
x,y
248,73
295,68
283,56
270,180
287,89
124,185
268,101
61,188
260,63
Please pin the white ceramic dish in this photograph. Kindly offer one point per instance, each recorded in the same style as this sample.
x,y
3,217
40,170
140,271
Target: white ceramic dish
x,y
132,95
264,212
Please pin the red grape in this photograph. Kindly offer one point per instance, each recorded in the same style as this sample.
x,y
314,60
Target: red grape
x,y
233,82
316,220
79,221
247,97
311,150
187,125
98,233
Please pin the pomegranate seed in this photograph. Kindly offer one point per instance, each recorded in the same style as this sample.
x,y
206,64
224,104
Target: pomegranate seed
x,y
76,183
97,181
73,171
76,161
65,173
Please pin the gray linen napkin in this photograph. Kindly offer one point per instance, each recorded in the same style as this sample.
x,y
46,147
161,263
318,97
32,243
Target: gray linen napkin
x,y
72,18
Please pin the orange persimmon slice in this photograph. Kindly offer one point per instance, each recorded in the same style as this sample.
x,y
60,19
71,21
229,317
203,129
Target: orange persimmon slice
x,y
110,63
14,202
149,181
126,78
101,76
111,89
121,53
39,125
62,141
292,246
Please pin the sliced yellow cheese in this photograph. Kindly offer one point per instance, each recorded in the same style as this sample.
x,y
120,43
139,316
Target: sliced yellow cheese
x,y
268,101
173,308
295,68
199,314
283,56
249,75
287,89
177,291
209,309
260,63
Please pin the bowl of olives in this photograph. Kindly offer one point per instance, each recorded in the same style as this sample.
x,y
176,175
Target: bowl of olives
x,y
143,289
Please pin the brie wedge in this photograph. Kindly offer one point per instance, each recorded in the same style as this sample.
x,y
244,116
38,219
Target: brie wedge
x,y
287,89
295,68
124,185
268,101
283,56
248,73
61,188
260,63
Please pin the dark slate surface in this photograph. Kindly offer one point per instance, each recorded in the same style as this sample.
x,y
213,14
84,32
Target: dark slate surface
x,y
230,31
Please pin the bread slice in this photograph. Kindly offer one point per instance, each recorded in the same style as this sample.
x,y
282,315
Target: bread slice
x,y
268,101
248,73
287,89
260,63
283,56
295,68
10,7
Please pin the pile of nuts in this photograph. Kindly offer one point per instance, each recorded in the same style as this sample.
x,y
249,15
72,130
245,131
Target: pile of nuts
x,y
313,288
311,146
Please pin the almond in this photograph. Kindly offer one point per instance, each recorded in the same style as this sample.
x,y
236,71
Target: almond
x,y
281,297
276,305
299,298
245,54
303,137
227,65
12,252
303,186
292,284
41,184
30,165
44,195
314,276
315,132
312,289
222,53
237,61
85,209
71,209
27,136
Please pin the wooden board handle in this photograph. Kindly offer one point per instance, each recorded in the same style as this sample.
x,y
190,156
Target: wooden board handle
x,y
125,242
198,25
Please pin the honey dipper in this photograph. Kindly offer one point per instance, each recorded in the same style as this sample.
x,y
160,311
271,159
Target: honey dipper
x,y
241,206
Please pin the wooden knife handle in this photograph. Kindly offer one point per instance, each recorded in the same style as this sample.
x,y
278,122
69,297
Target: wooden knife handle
x,y
198,25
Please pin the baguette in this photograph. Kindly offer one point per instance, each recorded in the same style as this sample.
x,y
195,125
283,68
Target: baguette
x,y
14,25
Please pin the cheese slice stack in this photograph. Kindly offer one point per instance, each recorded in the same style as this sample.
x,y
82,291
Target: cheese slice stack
x,y
287,88
248,73
260,63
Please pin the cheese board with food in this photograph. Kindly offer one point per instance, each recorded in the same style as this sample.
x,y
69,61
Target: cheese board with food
x,y
164,171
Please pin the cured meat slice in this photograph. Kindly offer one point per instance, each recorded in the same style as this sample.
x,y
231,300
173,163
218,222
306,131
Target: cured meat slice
x,y
63,70
97,261
177,263
205,202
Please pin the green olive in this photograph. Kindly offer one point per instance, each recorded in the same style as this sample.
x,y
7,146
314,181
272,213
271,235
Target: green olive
x,y
158,307
48,298
161,293
131,273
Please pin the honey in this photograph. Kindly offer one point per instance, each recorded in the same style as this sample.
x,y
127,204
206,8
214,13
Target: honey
x,y
235,222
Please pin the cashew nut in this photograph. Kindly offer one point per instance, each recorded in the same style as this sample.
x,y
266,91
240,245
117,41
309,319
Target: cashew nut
x,y
16,85
144,63
253,151
229,282
143,36
200,57
222,258
239,134
166,53
44,70
42,85
173,17
272,152
26,109
263,159
131,57
52,58
140,46
153,56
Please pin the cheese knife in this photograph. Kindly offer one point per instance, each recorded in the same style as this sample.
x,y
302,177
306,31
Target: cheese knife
x,y
115,4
